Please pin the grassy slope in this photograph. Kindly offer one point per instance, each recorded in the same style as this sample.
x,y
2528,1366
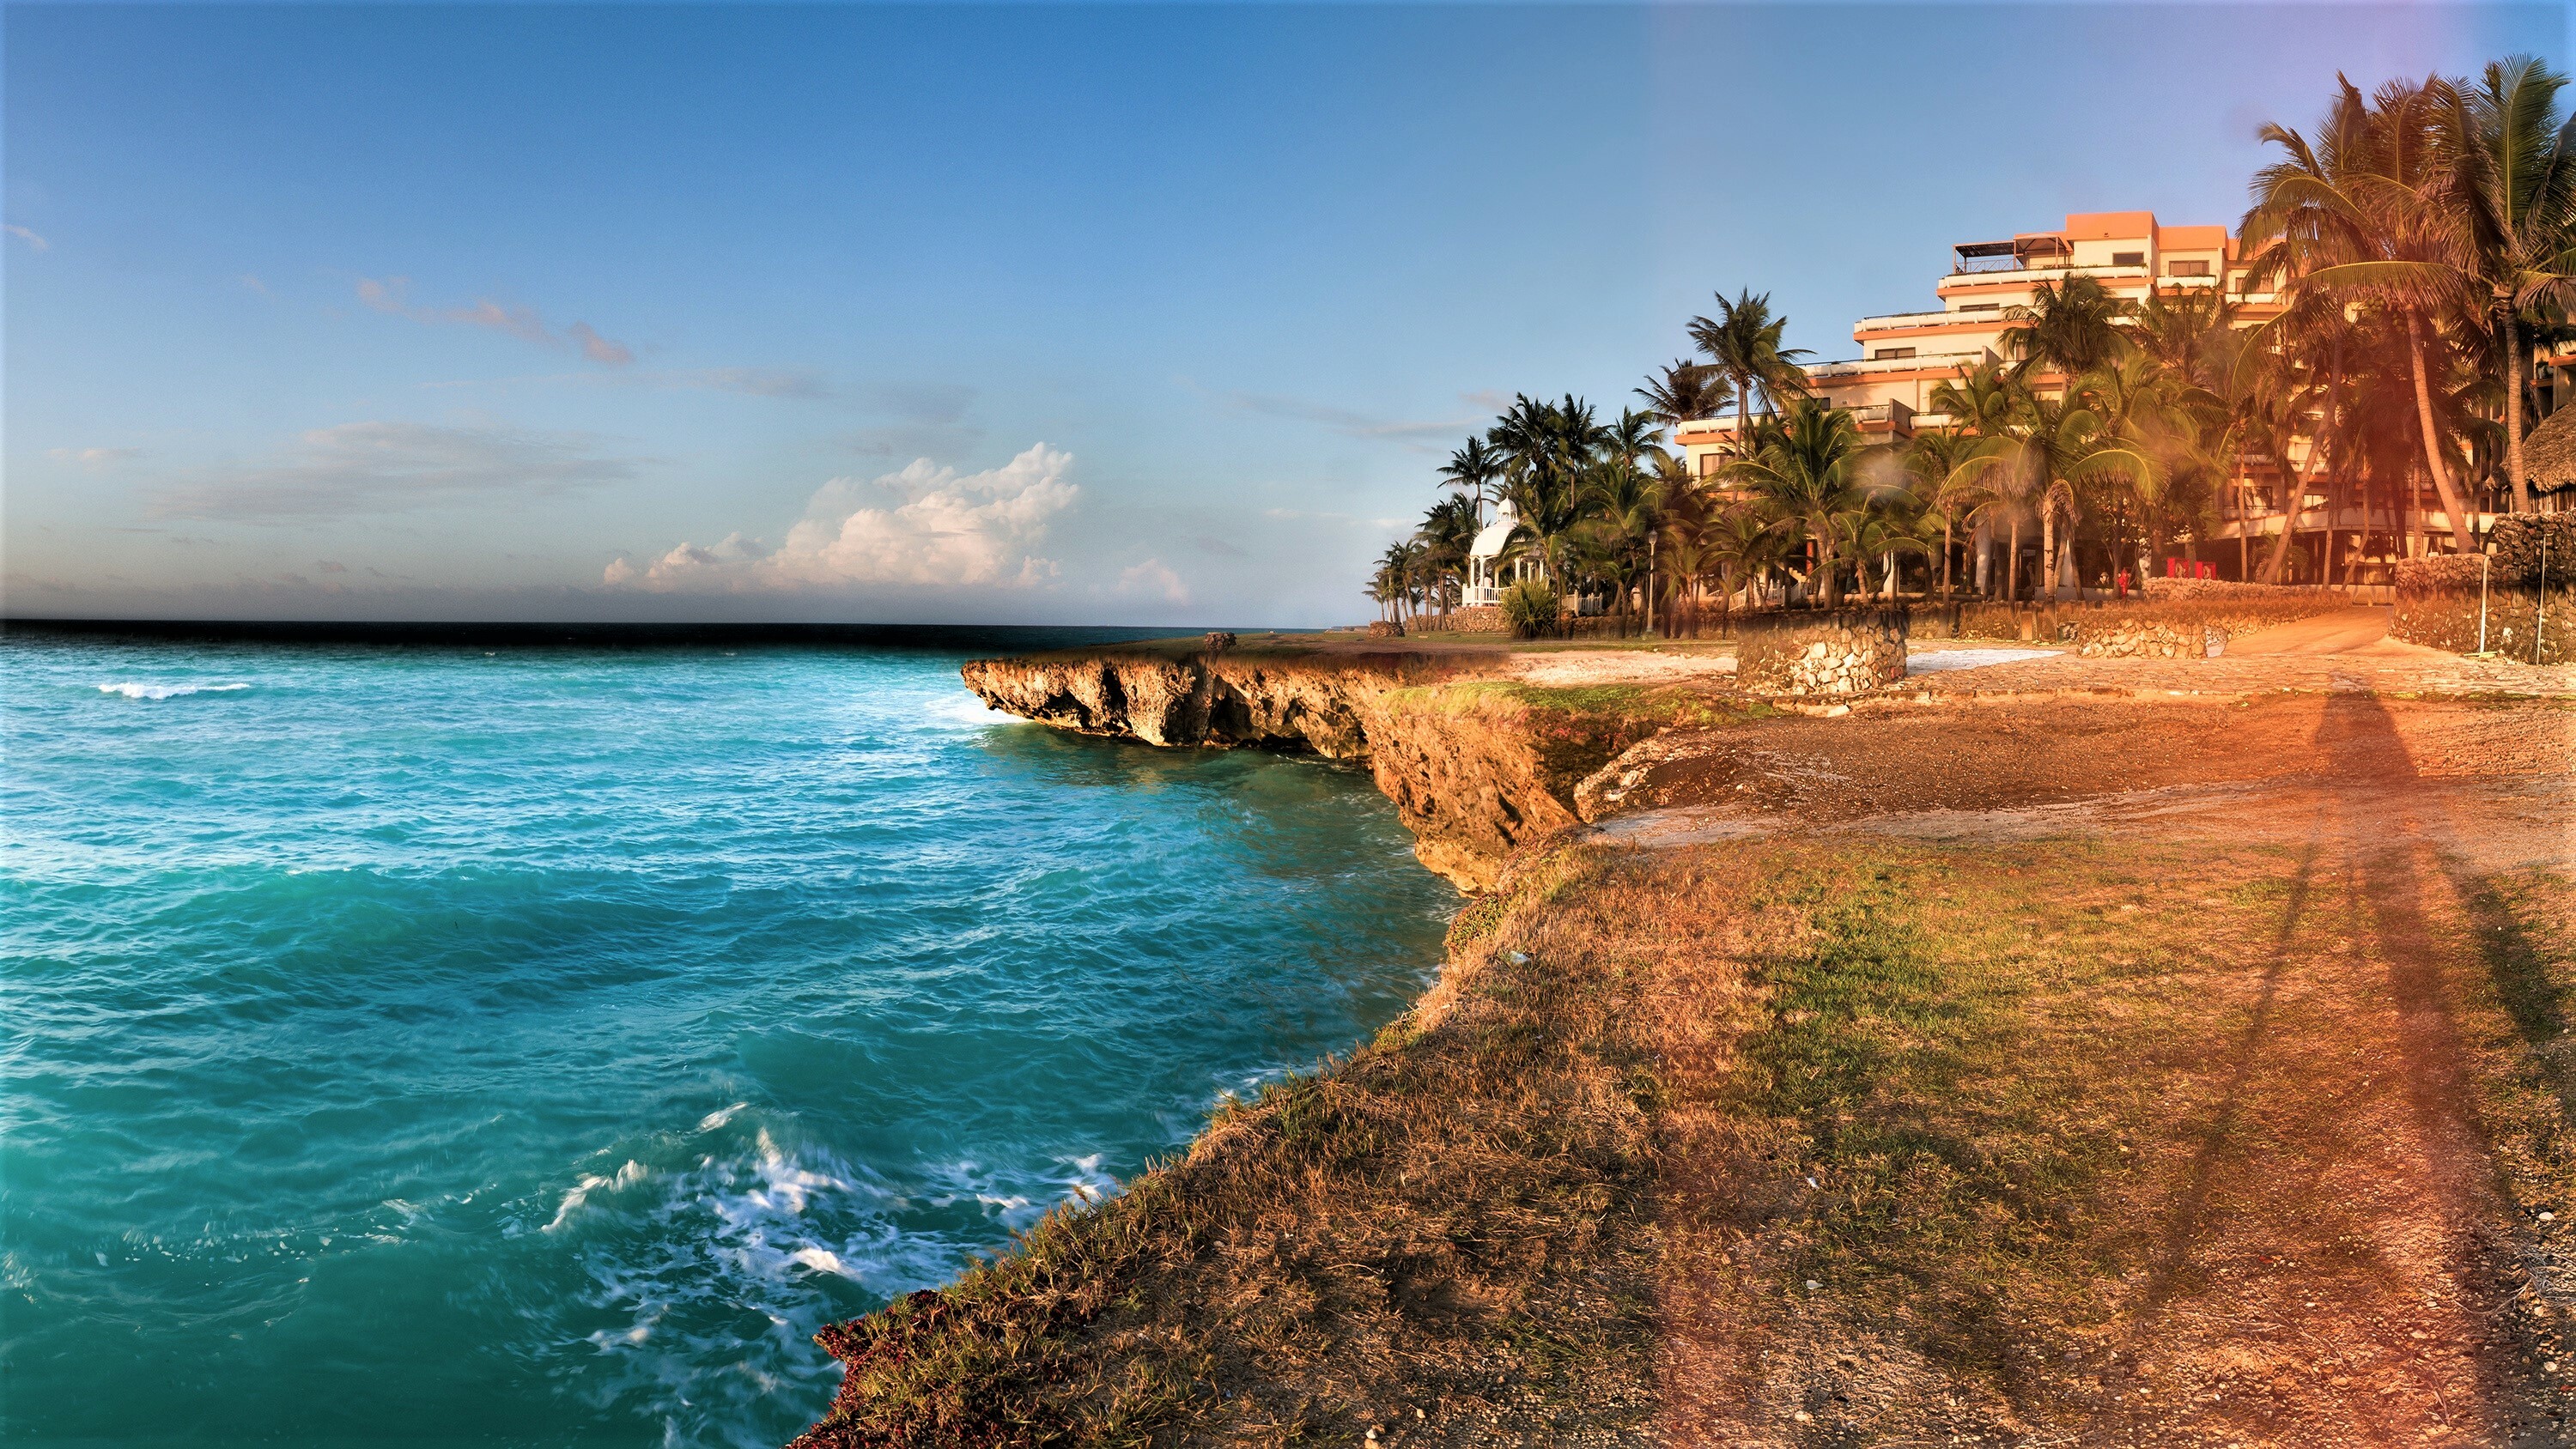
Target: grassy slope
x,y
2101,1139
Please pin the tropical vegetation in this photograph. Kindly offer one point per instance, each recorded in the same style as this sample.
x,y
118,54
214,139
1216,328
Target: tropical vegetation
x,y
2419,241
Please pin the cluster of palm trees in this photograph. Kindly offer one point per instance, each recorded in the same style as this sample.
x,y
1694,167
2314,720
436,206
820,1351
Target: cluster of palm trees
x,y
2422,244
1589,496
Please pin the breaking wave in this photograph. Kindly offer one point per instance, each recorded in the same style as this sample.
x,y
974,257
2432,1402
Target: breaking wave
x,y
166,691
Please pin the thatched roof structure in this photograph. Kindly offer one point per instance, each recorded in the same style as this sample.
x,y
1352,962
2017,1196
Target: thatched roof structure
x,y
2549,452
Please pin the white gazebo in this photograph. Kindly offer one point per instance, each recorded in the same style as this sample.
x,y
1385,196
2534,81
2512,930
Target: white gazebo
x,y
1486,576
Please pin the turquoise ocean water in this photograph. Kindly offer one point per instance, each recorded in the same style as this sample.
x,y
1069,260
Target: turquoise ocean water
x,y
537,1046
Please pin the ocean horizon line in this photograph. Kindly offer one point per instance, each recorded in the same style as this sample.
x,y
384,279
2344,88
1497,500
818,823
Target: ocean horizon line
x,y
594,634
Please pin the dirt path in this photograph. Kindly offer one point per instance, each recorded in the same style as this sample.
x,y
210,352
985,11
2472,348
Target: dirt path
x,y
2322,1224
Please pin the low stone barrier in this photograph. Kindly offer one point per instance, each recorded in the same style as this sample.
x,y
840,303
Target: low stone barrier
x,y
2520,596
2151,639
1820,653
1482,619
2175,619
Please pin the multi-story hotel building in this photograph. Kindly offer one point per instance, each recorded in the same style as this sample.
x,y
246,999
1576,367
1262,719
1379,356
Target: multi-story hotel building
x,y
1904,356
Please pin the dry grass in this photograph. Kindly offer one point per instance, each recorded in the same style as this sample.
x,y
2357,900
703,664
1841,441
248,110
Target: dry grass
x,y
1445,1236
2087,1141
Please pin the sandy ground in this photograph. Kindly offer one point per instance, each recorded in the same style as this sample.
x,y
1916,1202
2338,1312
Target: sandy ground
x,y
1576,669
2340,1258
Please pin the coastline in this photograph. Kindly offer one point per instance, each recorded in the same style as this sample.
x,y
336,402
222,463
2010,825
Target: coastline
x,y
1727,899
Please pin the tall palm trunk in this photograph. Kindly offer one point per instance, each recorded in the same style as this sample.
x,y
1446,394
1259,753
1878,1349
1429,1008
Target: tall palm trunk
x,y
2048,544
1945,556
2297,483
2451,503
2513,406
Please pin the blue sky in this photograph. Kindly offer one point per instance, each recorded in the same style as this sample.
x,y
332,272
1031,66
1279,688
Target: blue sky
x,y
1142,314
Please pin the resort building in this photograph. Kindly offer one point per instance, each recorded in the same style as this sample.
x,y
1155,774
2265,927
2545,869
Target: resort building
x,y
1904,356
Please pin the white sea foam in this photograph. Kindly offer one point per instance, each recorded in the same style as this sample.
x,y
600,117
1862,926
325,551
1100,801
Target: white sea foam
x,y
166,691
758,1227
627,1176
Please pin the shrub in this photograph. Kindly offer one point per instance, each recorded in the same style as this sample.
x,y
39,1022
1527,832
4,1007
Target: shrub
x,y
1530,608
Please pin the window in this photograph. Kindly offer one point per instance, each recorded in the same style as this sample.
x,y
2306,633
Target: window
x,y
1981,307
1711,464
2128,259
2189,269
1885,353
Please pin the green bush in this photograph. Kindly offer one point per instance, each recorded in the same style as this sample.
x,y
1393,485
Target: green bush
x,y
1530,608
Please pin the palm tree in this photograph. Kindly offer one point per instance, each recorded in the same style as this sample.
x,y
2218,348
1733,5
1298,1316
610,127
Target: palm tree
x,y
1473,471
2512,193
1545,448
1448,531
1806,467
2191,331
2348,219
1979,404
2072,326
1934,458
1744,344
2053,447
1685,392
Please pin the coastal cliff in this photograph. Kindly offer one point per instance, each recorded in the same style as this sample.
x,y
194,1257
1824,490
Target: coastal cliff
x,y
1477,764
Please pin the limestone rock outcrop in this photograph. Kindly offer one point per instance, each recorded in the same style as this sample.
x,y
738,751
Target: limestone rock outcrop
x,y
1474,771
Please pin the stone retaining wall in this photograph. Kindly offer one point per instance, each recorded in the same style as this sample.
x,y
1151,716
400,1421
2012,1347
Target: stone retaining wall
x,y
2531,563
1821,653
1485,619
2151,639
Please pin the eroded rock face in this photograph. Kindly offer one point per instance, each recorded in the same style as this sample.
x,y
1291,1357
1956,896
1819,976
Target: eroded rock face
x,y
1472,776
1197,701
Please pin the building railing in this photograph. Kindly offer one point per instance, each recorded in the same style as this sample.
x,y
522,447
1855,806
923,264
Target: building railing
x,y
1898,321
1860,365
2054,266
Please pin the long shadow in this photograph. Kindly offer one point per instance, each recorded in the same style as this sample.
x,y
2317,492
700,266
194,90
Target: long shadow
x,y
2174,1252
2357,743
2362,745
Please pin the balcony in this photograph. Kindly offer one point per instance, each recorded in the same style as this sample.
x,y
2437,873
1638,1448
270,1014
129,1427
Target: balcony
x,y
1869,366
2043,270
1901,321
1889,417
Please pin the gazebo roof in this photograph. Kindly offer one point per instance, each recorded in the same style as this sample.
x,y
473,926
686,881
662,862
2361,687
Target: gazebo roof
x,y
2549,452
1489,544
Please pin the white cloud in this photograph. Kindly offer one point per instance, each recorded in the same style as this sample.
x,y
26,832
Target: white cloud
x,y
391,295
29,237
1153,577
390,467
92,457
924,526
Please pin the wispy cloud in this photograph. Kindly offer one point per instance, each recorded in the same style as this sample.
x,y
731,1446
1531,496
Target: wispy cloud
x,y
251,283
795,382
923,402
29,237
1343,420
394,467
923,526
392,295
778,382
597,348
92,457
